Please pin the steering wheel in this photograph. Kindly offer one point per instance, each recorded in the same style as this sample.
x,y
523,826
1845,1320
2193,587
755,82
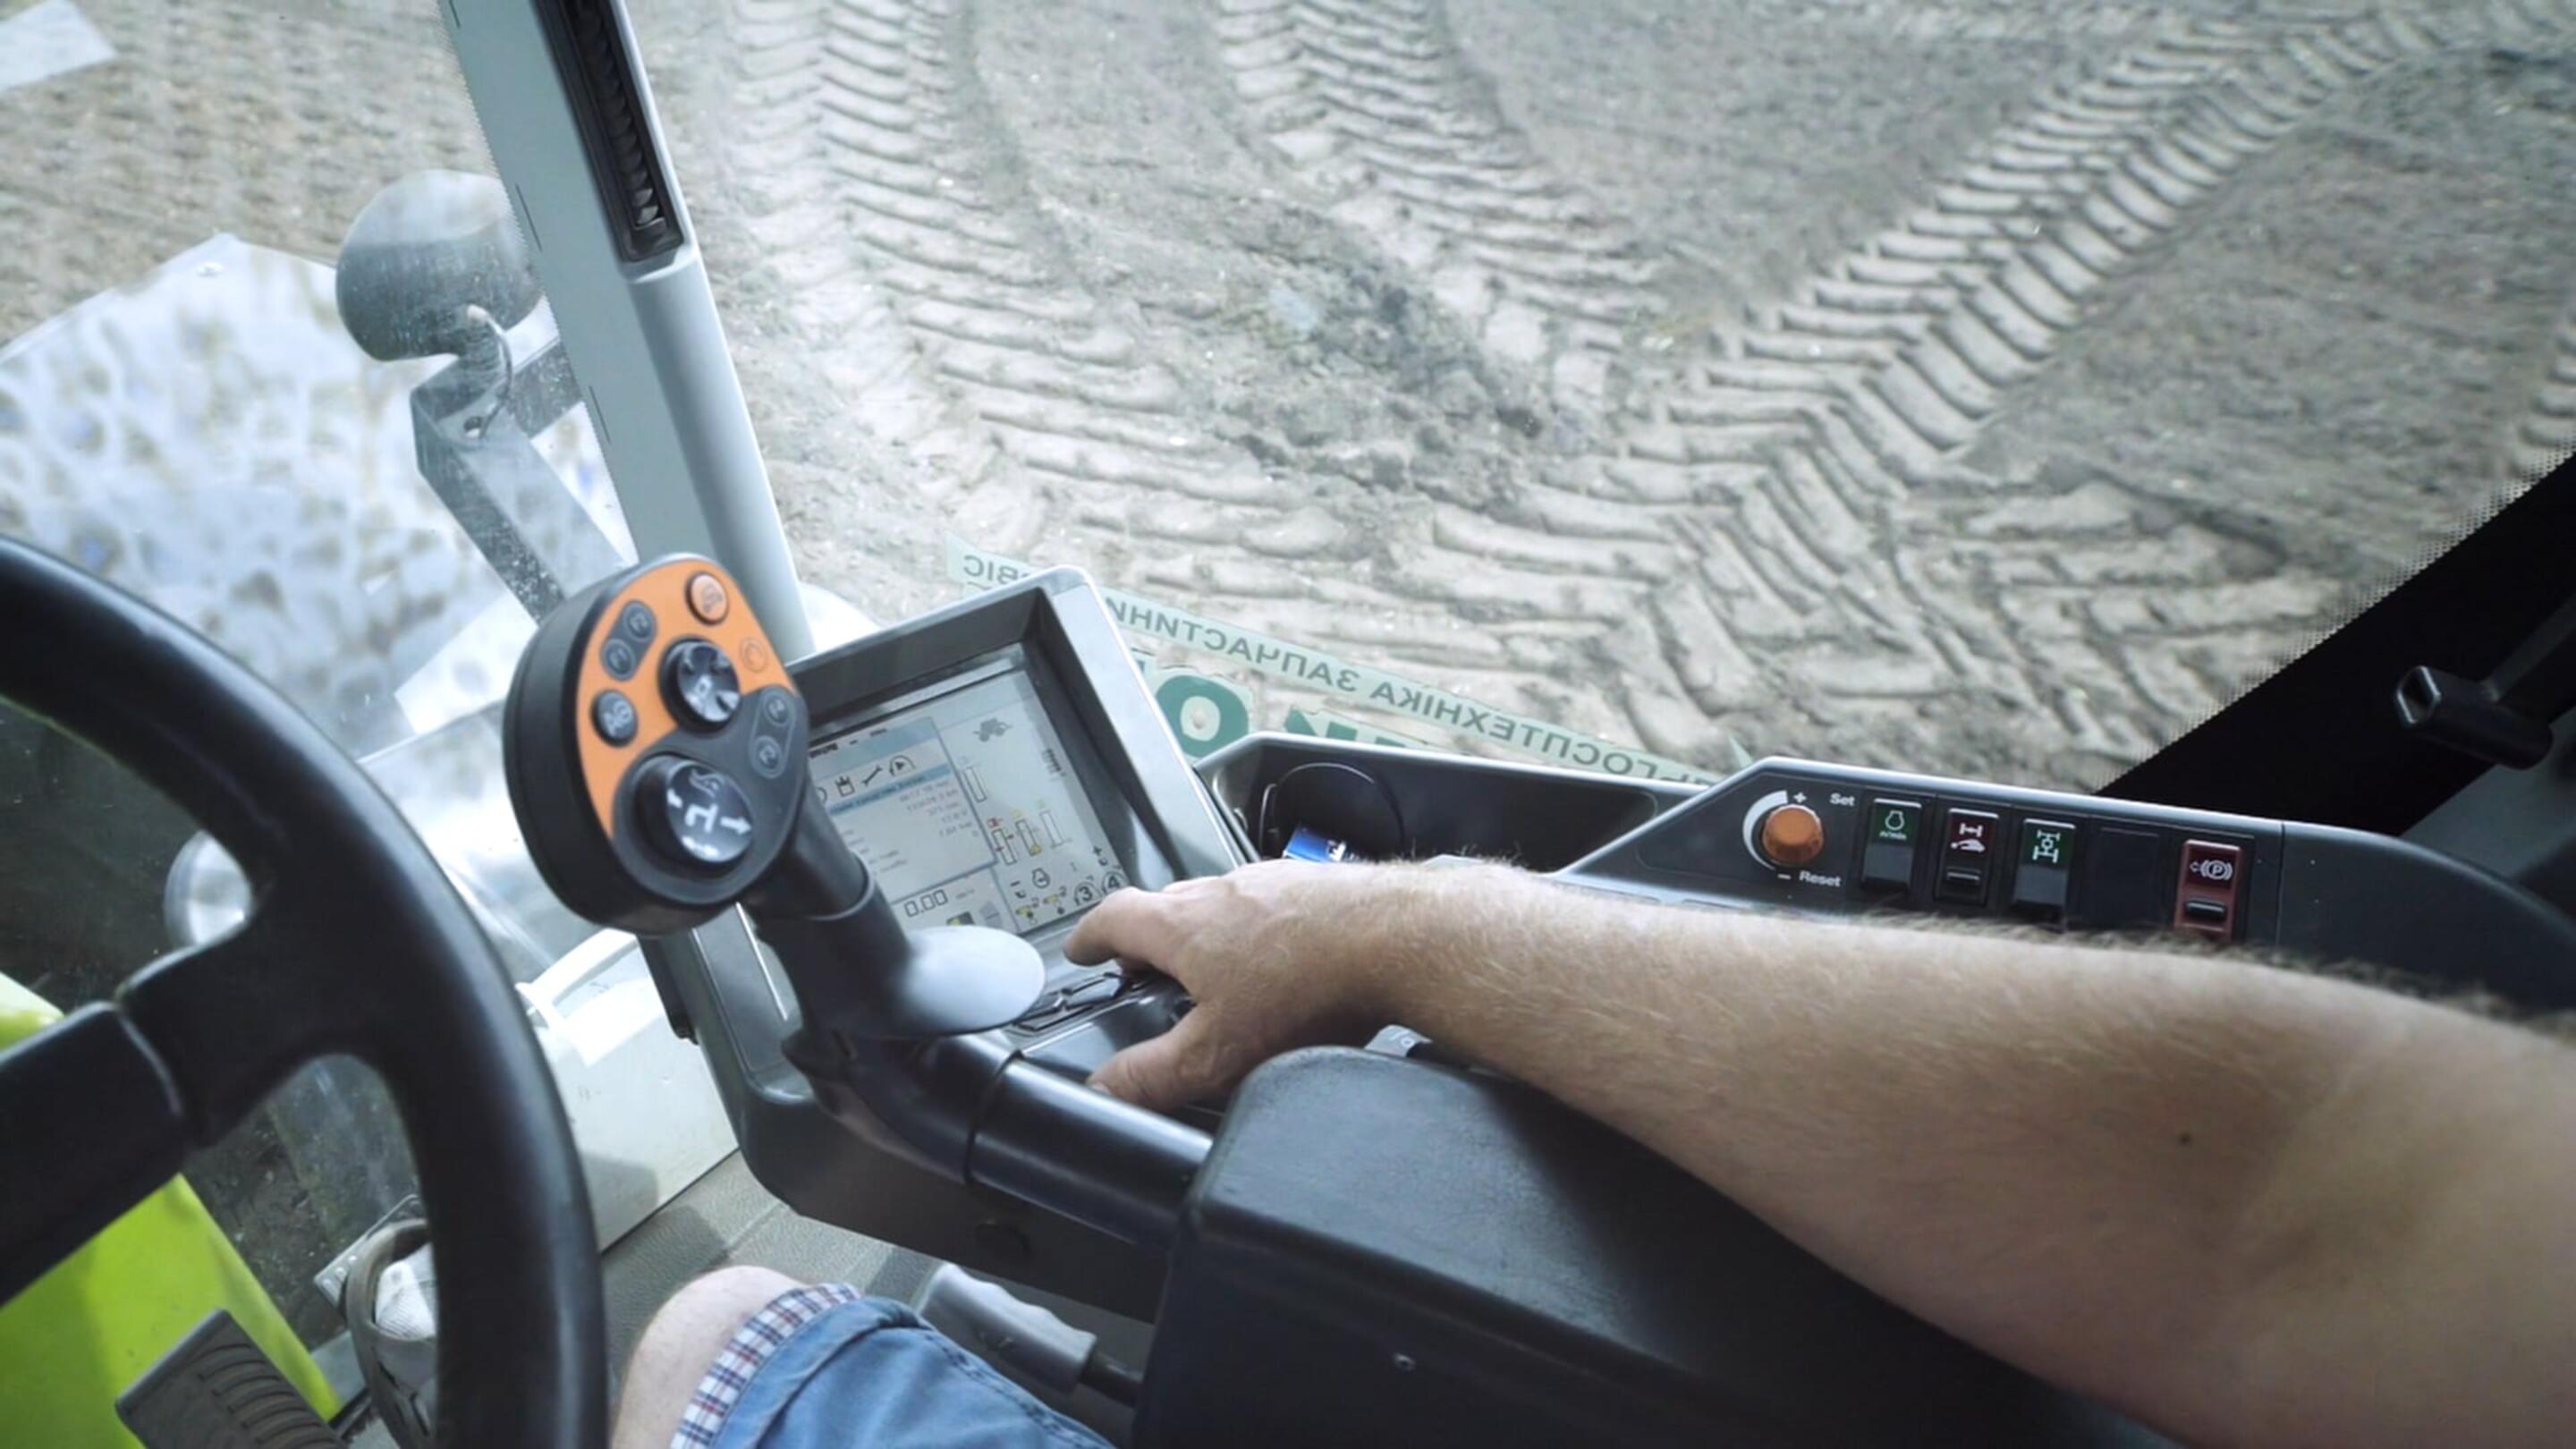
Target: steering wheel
x,y
357,944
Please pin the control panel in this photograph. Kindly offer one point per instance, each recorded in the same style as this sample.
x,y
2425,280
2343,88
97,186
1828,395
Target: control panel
x,y
974,805
999,763
910,825
1835,840
1830,838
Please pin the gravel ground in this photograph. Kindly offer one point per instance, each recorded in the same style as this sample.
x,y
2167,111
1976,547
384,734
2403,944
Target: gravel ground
x,y
1978,386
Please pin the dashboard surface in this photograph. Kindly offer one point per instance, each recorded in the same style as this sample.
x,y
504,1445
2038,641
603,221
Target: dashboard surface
x,y
1820,839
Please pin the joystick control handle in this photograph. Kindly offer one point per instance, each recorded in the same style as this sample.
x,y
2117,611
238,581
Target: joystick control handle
x,y
655,750
858,974
656,754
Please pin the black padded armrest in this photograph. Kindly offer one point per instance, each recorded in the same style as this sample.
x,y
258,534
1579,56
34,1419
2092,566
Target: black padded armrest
x,y
1380,1251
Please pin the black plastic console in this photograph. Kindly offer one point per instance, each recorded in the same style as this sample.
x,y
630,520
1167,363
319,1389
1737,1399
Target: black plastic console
x,y
1877,842
1389,1251
1380,1251
1895,843
1418,804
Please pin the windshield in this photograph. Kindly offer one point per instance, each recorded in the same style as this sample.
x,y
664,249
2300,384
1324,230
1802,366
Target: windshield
x,y
1991,388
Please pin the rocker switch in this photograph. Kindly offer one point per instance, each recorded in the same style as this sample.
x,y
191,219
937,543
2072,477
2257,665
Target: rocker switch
x,y
1970,842
1887,850
2212,882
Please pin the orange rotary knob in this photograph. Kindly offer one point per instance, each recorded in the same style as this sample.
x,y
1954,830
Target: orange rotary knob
x,y
1792,836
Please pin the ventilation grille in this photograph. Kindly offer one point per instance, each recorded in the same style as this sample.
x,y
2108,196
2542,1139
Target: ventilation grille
x,y
600,77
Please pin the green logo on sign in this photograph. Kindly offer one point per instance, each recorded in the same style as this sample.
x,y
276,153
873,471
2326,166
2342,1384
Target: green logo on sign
x,y
1206,714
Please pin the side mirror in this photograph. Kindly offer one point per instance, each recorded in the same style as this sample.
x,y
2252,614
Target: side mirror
x,y
435,265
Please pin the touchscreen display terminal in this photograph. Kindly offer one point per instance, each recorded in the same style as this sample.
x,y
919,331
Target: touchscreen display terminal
x,y
967,810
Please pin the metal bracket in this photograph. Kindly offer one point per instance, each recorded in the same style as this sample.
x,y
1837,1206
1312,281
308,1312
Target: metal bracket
x,y
476,443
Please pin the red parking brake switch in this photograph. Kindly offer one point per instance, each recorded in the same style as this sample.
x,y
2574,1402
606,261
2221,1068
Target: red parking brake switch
x,y
2213,881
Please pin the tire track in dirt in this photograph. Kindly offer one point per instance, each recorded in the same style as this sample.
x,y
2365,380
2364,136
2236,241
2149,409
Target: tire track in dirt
x,y
1920,332
1371,104
2025,588
1382,82
845,326
1836,550
2545,436
917,292
215,118
896,210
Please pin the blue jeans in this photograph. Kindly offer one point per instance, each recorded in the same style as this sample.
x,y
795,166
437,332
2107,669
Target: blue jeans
x,y
827,1369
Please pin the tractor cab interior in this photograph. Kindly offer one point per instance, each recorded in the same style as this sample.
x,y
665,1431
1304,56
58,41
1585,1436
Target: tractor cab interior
x,y
413,678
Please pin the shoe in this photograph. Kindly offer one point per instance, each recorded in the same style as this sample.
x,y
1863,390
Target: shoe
x,y
390,1301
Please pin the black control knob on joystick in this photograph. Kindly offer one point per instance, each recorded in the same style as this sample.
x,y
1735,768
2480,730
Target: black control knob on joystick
x,y
695,815
703,687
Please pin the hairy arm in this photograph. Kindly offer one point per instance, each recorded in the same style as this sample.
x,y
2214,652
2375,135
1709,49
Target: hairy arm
x,y
2245,1205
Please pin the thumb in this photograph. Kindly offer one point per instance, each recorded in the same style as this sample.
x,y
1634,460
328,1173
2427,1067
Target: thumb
x,y
1172,1070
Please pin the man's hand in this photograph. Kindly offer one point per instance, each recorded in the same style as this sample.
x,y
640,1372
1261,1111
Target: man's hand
x,y
1278,955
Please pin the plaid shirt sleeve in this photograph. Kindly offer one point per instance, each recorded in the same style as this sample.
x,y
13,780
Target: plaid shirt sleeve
x,y
751,1346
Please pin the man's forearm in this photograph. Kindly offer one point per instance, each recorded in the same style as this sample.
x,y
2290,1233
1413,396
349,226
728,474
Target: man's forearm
x,y
2210,1192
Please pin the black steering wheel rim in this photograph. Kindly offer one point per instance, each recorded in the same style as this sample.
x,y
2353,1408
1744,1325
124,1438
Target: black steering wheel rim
x,y
357,944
